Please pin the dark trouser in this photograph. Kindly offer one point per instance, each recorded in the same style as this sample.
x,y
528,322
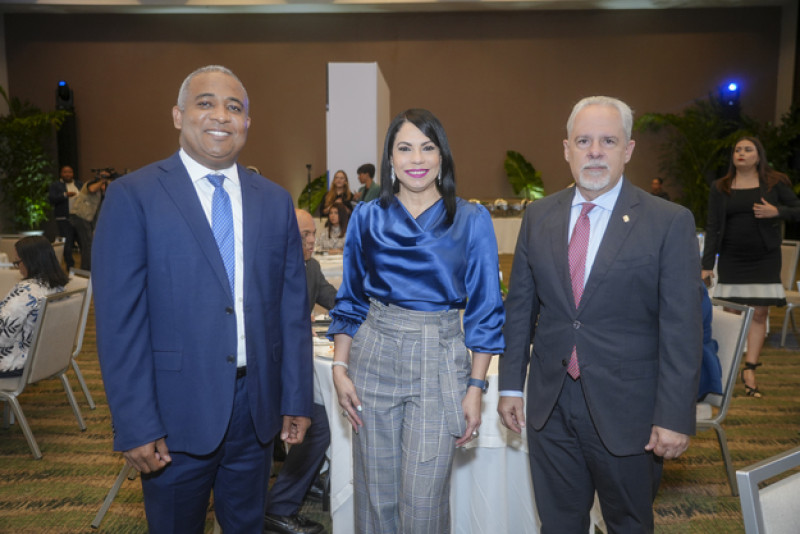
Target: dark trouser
x,y
83,233
176,498
66,231
301,467
569,462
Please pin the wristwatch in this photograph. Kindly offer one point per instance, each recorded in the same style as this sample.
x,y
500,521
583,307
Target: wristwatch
x,y
483,385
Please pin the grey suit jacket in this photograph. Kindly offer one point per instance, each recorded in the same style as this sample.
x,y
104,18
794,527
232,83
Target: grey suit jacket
x,y
638,329
320,291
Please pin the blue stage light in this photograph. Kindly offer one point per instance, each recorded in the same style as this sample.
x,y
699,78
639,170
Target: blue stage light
x,y
62,83
732,87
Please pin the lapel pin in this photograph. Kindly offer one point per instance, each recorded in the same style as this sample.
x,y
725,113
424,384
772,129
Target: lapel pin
x,y
626,218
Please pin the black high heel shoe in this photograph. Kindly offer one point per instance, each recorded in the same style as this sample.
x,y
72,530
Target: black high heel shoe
x,y
751,392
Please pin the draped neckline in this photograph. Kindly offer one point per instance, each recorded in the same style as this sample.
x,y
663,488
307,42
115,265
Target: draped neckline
x,y
426,219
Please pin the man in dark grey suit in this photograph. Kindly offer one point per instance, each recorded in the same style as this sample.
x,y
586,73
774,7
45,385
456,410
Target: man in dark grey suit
x,y
610,295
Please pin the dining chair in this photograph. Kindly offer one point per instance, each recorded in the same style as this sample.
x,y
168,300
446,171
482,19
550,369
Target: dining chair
x,y
790,253
773,508
82,279
49,357
8,279
730,330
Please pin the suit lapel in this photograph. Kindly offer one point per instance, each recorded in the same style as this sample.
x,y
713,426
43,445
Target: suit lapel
x,y
622,220
252,205
178,185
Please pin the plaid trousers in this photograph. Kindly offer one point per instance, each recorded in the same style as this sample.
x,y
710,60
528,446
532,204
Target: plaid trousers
x,y
410,371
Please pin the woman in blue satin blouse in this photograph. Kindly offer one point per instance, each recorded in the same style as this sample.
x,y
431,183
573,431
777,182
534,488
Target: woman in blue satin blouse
x,y
413,259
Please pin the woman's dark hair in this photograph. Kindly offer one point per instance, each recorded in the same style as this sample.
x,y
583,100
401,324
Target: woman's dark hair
x,y
40,261
766,174
344,217
429,125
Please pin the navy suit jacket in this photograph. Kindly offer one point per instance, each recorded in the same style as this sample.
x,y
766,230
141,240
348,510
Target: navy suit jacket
x,y
166,330
57,199
638,330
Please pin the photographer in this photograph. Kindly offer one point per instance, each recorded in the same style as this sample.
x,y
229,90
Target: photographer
x,y
83,212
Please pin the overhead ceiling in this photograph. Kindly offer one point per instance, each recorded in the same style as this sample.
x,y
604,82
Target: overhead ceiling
x,y
338,6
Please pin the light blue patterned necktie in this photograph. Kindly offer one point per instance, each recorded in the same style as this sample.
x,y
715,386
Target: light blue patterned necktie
x,y
222,225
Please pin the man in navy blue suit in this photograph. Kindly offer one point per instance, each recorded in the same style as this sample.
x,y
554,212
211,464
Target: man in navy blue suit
x,y
204,349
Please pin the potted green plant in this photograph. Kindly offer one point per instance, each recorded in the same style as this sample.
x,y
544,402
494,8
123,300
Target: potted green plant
x,y
26,167
313,193
523,177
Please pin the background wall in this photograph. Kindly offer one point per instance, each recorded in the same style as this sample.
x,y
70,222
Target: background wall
x,y
497,80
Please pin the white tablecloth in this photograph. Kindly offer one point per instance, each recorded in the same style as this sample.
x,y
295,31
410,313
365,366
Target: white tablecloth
x,y
491,487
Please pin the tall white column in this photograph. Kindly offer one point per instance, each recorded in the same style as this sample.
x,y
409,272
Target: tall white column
x,y
357,118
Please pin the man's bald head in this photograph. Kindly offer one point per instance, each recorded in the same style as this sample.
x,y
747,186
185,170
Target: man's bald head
x,y
308,232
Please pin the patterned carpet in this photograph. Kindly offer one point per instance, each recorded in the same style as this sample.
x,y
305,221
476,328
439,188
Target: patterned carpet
x,y
62,492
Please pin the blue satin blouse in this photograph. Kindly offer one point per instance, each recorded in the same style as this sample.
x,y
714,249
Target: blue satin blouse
x,y
423,264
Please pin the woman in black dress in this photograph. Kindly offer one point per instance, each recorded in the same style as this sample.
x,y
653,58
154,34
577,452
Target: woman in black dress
x,y
744,211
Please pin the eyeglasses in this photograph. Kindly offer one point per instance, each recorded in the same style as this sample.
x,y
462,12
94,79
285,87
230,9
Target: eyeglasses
x,y
16,263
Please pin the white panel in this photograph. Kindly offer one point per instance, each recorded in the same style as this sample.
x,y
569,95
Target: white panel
x,y
358,107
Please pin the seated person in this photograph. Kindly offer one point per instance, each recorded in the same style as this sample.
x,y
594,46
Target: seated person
x,y
332,238
711,370
41,276
304,460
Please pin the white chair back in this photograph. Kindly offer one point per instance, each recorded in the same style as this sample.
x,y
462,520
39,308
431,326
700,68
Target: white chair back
x,y
51,350
8,279
81,280
730,331
774,509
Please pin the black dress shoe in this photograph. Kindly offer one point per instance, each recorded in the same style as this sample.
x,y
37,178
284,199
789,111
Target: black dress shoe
x,y
291,524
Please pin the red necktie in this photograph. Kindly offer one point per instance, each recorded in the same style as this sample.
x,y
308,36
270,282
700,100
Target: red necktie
x,y
578,244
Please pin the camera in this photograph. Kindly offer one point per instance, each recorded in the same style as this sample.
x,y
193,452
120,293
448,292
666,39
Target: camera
x,y
107,173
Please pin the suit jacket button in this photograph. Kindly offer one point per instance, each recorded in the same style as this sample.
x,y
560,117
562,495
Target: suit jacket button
x,y
564,362
228,310
230,359
576,325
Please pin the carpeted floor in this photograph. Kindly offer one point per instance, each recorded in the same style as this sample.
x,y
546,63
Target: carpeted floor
x,y
62,492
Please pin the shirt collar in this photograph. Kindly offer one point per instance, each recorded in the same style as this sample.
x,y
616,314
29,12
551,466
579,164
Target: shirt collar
x,y
198,172
605,201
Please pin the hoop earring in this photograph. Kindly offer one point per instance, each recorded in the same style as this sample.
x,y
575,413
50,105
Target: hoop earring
x,y
393,177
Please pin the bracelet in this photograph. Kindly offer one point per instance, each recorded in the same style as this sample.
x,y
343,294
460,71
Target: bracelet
x,y
340,364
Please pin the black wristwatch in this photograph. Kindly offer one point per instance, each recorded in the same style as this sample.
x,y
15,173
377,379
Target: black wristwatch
x,y
483,385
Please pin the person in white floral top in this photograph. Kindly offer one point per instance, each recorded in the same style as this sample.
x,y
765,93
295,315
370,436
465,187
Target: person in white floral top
x,y
331,239
41,276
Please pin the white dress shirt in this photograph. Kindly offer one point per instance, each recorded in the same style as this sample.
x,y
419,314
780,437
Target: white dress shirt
x,y
205,192
598,222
